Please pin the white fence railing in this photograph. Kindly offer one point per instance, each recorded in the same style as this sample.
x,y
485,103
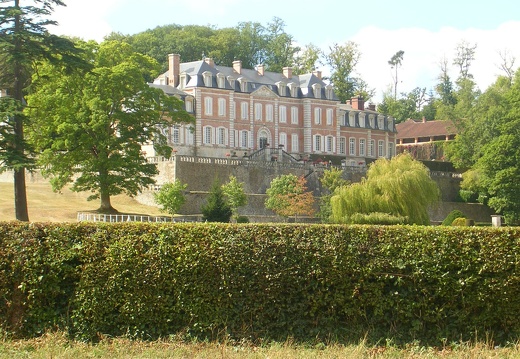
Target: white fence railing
x,y
113,218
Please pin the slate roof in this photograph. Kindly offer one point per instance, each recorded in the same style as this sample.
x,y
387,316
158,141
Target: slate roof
x,y
196,69
413,129
169,90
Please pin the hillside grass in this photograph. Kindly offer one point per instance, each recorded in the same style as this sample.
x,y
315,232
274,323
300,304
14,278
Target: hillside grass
x,y
47,206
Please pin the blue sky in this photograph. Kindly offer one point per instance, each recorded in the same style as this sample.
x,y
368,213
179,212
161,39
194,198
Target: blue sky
x,y
427,31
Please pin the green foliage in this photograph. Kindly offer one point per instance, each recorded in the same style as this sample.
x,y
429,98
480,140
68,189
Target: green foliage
x,y
90,126
242,219
217,208
343,60
171,196
24,43
235,194
377,218
452,216
287,196
400,187
330,180
429,285
459,222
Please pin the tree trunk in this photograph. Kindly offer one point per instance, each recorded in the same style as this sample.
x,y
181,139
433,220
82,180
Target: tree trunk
x,y
20,196
106,206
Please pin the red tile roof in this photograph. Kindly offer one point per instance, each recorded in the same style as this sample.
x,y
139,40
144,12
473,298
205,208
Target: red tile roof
x,y
414,129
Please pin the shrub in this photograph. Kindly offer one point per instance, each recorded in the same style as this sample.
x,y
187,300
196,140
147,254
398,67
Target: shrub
x,y
242,219
451,216
460,221
377,218
217,208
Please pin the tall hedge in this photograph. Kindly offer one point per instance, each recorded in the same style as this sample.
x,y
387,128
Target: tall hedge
x,y
430,284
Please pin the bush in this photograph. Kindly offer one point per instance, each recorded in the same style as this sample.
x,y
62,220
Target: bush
x,y
451,216
377,218
458,222
261,282
242,219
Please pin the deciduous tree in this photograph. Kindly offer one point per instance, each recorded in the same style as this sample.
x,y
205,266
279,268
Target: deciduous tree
x,y
400,187
171,196
343,60
288,196
235,195
90,126
395,62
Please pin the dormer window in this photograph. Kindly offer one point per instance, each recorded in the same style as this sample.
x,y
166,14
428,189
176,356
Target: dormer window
x,y
317,90
282,88
381,123
328,92
221,81
207,78
231,81
243,84
294,89
182,80
361,119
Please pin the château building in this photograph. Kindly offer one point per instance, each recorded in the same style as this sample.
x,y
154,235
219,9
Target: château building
x,y
241,111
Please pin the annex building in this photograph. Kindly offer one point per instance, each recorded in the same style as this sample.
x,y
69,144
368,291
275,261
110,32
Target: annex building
x,y
240,112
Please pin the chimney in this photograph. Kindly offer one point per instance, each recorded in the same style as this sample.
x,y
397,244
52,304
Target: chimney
x,y
317,74
423,119
237,66
357,103
260,69
287,72
209,61
372,106
174,69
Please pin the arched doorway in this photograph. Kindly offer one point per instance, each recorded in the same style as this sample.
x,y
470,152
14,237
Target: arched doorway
x,y
263,138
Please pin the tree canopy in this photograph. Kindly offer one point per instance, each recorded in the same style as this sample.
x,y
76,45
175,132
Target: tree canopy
x,y
235,194
171,196
400,187
287,196
24,41
90,125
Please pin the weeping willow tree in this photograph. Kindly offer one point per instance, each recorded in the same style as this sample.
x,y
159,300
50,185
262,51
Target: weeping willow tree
x,y
400,187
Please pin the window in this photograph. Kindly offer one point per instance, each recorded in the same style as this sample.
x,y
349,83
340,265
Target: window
x,y
207,79
362,147
208,135
221,81
294,115
330,114
269,112
294,143
189,136
222,107
317,90
317,143
390,149
244,110
189,105
258,111
372,121
328,92
208,106
221,136
380,123
361,119
371,145
352,146
282,117
343,145
244,139
176,135
352,119
317,116
329,143
380,148
283,140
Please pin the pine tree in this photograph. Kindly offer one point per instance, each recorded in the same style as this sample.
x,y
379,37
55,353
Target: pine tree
x,y
216,209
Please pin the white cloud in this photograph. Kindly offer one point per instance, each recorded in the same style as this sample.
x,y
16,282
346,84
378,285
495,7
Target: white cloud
x,y
85,19
423,51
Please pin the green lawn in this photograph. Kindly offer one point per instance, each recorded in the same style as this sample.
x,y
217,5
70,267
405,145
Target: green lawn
x,y
48,206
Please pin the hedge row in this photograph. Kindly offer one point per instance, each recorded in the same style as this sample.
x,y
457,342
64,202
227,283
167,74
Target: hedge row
x,y
428,284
